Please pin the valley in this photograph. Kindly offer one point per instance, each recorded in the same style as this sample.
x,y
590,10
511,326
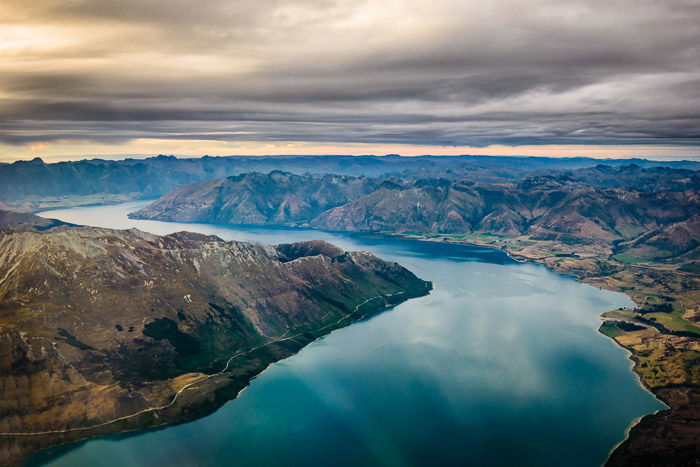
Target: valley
x,y
498,357
350,233
634,235
625,228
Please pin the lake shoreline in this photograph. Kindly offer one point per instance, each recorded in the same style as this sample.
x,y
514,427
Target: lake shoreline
x,y
44,453
505,253
592,280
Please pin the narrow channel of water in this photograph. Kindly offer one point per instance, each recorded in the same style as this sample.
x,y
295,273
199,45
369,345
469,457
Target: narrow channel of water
x,y
501,364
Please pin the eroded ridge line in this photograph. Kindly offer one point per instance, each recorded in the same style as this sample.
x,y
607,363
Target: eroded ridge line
x,y
190,385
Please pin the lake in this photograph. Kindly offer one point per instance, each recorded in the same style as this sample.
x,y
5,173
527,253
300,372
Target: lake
x,y
501,364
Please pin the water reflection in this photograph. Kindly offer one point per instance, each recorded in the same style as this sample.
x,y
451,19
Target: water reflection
x,y
500,365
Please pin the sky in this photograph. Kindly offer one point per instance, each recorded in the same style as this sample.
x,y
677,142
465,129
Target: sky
x,y
601,78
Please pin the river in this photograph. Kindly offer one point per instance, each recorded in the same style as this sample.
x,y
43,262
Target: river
x,y
501,364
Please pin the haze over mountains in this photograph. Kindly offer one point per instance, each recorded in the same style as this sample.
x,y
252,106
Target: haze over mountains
x,y
30,180
106,331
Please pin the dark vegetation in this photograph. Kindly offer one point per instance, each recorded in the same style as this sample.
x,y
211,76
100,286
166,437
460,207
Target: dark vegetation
x,y
165,328
655,308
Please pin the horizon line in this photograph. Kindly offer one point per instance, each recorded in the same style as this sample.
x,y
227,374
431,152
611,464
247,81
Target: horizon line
x,y
47,159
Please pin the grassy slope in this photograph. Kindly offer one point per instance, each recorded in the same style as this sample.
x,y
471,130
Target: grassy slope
x,y
349,288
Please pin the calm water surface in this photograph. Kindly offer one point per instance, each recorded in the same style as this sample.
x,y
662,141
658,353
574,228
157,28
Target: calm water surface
x,y
500,365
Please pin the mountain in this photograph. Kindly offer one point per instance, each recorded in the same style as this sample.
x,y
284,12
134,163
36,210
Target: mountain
x,y
631,176
24,183
680,239
609,173
254,198
109,330
570,215
542,208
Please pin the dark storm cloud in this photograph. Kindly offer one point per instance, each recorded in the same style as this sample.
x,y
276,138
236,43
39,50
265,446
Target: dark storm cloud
x,y
434,73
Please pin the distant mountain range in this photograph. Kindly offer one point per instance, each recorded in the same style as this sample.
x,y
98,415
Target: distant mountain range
x,y
575,208
156,176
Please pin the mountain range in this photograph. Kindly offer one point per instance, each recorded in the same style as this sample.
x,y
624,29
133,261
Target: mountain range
x,y
652,224
24,182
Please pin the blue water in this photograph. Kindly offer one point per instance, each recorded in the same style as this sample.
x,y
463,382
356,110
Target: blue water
x,y
501,364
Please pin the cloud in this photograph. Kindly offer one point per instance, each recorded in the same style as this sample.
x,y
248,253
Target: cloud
x,y
445,72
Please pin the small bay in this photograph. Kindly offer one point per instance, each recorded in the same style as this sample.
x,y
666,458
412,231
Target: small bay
x,y
501,364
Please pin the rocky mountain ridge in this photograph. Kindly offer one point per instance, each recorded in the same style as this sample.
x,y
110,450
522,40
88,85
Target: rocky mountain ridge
x,y
541,209
35,184
101,330
254,198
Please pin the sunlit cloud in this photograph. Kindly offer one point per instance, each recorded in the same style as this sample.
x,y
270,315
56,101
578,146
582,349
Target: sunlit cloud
x,y
446,76
75,150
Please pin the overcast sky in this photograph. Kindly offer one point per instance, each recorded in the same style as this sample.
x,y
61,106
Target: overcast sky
x,y
592,77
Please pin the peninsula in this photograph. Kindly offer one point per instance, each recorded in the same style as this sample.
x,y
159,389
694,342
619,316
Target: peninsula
x,y
103,331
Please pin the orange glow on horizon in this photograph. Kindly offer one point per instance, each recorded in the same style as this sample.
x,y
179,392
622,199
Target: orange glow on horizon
x,y
74,150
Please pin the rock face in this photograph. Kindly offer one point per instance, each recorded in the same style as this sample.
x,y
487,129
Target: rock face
x,y
99,324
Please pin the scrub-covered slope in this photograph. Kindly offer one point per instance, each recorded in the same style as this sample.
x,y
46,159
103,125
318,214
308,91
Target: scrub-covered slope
x,y
99,324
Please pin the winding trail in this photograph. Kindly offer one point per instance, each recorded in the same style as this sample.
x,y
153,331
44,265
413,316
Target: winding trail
x,y
193,383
